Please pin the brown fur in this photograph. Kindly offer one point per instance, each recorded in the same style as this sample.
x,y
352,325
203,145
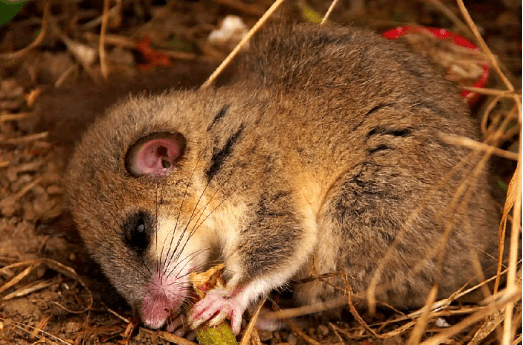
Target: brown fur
x,y
326,143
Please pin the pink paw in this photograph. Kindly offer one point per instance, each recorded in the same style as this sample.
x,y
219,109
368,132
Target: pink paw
x,y
180,326
218,306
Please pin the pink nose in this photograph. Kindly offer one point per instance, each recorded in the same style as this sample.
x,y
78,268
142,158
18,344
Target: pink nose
x,y
155,310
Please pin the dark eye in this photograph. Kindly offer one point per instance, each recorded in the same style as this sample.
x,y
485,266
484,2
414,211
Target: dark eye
x,y
138,231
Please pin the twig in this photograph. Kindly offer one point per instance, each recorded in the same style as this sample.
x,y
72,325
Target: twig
x,y
29,289
300,333
98,20
175,339
65,270
473,144
329,11
513,256
240,45
247,335
514,188
126,42
481,314
460,26
14,117
486,114
421,323
24,140
103,29
487,327
490,92
38,40
27,188
118,315
46,334
334,329
483,45
305,310
65,75
17,279
242,7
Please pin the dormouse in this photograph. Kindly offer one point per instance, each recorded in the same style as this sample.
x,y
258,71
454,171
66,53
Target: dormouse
x,y
321,154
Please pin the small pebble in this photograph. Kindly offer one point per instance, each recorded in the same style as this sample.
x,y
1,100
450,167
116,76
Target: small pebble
x,y
292,339
324,330
442,323
72,327
265,335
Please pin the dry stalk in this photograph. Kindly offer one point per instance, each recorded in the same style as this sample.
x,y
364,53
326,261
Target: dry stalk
x,y
514,252
98,20
29,289
486,328
103,29
30,329
252,10
489,92
37,41
242,43
175,339
493,61
40,326
24,140
460,26
362,322
300,333
55,265
22,192
470,320
15,117
335,330
306,310
130,43
250,327
72,69
473,144
421,323
486,115
17,278
329,11
124,319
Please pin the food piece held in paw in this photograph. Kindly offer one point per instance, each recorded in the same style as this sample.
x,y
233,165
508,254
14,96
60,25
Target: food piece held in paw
x,y
212,332
217,335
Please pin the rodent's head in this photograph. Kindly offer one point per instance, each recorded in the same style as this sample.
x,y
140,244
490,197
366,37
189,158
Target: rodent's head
x,y
131,190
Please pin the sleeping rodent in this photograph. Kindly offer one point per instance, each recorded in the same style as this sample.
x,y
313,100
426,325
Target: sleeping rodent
x,y
321,154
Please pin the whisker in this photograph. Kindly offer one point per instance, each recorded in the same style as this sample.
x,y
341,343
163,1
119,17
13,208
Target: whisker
x,y
179,212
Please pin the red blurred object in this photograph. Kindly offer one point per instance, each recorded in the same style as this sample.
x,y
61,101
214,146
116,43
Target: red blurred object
x,y
446,35
152,57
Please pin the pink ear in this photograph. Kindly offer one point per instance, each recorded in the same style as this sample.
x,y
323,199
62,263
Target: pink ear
x,y
154,154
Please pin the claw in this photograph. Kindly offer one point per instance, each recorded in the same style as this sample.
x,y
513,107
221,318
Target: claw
x,y
178,324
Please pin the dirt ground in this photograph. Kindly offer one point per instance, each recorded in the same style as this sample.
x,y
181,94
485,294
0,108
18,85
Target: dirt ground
x,y
53,83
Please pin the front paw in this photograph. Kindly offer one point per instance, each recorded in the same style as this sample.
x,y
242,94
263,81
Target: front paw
x,y
218,305
179,326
